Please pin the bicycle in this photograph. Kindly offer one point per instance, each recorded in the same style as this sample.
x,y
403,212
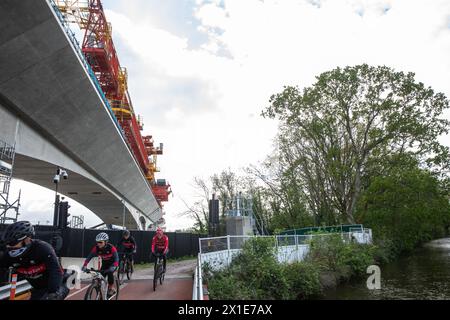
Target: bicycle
x,y
159,272
98,289
125,267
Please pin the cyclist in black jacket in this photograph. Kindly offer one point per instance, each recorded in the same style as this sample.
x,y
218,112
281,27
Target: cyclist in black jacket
x,y
35,261
128,246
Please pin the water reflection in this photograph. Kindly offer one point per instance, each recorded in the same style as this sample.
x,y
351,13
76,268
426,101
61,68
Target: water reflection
x,y
425,274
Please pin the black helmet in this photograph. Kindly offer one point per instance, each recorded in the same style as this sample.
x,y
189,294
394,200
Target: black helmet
x,y
126,233
18,231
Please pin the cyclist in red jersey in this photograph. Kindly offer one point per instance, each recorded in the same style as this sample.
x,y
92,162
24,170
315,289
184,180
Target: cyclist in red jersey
x,y
160,246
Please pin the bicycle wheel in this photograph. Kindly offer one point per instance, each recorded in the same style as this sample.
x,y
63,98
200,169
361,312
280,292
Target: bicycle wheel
x,y
129,270
93,293
121,272
116,295
159,273
156,276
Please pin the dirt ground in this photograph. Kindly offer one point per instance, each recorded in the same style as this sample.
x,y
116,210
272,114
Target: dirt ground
x,y
179,269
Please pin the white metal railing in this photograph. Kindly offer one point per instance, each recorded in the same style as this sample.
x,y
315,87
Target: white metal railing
x,y
218,252
227,243
21,287
195,284
197,288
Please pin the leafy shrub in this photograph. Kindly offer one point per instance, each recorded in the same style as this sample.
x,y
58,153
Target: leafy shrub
x,y
326,251
226,286
332,253
256,274
358,257
303,280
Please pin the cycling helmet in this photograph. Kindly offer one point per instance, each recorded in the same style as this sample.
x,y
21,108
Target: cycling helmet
x,y
102,237
17,232
126,233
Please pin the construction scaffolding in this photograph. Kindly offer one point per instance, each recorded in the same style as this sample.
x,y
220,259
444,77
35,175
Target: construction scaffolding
x,y
9,211
99,51
242,206
77,222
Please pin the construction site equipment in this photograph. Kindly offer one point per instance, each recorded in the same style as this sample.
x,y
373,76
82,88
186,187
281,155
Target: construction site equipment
x,y
242,206
9,210
77,222
100,53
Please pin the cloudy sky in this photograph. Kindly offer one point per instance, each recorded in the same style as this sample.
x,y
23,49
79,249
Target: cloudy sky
x,y
200,72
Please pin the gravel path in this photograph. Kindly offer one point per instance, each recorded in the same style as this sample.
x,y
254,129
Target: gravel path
x,y
175,270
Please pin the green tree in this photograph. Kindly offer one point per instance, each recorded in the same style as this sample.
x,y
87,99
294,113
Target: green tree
x,y
331,132
281,198
405,207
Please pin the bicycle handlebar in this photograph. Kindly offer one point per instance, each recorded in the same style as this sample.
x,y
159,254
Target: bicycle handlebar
x,y
126,254
158,254
93,270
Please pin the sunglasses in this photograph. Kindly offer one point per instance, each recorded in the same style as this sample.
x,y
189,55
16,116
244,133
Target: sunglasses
x,y
12,244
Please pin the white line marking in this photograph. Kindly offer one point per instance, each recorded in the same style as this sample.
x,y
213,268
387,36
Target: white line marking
x,y
71,295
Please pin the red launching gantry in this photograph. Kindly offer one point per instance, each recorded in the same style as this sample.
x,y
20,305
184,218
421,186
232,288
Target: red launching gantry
x,y
99,51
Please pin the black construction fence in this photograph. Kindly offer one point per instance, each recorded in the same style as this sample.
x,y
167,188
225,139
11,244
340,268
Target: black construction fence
x,y
77,243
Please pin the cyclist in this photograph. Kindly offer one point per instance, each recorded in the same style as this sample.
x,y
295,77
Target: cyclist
x,y
160,246
128,246
110,259
35,261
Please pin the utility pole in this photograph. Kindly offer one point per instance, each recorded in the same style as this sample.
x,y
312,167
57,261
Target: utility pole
x,y
56,209
59,173
123,215
238,198
213,216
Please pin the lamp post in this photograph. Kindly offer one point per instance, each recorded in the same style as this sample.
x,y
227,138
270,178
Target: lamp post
x,y
59,173
123,214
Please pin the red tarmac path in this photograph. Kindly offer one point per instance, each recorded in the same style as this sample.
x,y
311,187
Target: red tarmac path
x,y
177,285
171,289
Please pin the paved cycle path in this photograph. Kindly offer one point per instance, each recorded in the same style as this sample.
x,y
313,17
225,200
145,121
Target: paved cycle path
x,y
177,285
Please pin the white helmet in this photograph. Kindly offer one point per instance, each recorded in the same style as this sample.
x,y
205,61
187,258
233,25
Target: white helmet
x,y
102,237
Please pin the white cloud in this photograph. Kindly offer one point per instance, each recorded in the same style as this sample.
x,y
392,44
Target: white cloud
x,y
212,15
37,204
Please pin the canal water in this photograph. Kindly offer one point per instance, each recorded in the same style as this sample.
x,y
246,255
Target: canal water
x,y
424,275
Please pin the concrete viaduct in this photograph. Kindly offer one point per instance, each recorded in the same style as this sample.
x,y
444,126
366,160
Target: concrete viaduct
x,y
51,109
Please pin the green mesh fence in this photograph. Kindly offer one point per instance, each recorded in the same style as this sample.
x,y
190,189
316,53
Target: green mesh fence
x,y
325,229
